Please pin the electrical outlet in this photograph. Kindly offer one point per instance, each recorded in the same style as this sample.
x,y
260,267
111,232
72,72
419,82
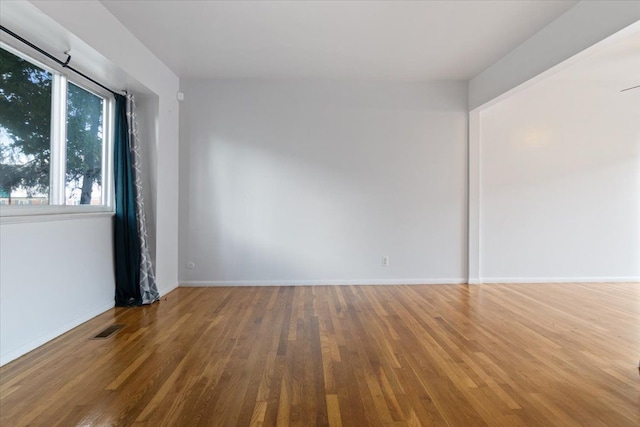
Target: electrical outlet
x,y
191,265
385,261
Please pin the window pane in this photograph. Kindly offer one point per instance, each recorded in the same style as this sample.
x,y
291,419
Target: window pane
x,y
84,147
25,131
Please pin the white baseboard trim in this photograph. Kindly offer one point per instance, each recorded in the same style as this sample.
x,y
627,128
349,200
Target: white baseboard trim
x,y
616,279
443,281
219,283
43,339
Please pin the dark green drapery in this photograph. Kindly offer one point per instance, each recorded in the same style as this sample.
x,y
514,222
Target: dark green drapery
x,y
126,246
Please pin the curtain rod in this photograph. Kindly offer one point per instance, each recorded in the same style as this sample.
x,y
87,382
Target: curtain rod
x,y
64,64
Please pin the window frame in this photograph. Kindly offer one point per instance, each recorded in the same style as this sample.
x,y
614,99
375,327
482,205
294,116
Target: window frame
x,y
57,209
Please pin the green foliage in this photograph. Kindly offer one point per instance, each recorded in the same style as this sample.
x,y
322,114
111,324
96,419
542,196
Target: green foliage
x,y
84,137
25,118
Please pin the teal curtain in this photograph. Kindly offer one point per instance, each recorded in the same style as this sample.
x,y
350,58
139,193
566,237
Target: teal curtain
x,y
126,241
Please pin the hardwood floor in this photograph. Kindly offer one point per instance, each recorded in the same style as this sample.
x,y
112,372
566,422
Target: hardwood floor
x,y
451,355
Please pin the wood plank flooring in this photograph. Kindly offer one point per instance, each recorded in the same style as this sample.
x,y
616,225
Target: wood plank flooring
x,y
436,355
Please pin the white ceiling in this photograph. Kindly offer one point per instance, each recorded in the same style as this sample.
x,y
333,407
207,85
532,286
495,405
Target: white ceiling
x,y
372,40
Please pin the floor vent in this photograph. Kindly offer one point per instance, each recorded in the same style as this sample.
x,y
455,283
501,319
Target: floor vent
x,y
108,332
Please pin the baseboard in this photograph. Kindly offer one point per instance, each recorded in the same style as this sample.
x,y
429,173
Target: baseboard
x,y
443,281
607,279
216,283
43,339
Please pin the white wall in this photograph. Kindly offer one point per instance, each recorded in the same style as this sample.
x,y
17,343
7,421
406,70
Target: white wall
x,y
294,182
560,177
55,275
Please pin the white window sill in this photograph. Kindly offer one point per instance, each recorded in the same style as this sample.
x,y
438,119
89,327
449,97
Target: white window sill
x,y
25,214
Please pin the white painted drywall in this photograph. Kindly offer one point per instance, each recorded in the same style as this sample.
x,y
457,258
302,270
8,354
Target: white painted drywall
x,y
57,274
54,276
560,178
582,26
314,182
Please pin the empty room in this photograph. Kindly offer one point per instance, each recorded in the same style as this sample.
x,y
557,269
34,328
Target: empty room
x,y
319,213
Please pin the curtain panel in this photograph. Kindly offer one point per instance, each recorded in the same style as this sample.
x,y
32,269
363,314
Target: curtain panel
x,y
146,277
135,280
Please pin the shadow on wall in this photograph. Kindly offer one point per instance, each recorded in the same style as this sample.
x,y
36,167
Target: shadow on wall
x,y
310,185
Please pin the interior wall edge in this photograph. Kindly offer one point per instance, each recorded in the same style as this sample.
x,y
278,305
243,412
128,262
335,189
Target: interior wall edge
x,y
567,38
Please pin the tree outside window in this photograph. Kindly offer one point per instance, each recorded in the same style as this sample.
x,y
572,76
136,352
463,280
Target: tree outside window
x,y
26,142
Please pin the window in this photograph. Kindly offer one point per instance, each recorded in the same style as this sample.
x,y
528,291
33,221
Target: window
x,y
25,127
85,114
54,138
